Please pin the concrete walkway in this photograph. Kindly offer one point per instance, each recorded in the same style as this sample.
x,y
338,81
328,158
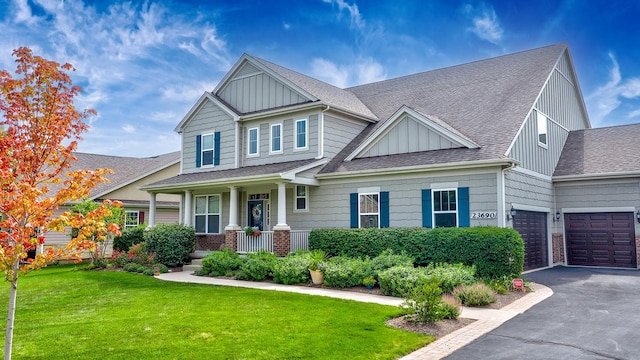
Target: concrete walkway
x,y
486,319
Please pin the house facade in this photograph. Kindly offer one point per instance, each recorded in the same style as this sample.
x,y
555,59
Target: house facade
x,y
470,145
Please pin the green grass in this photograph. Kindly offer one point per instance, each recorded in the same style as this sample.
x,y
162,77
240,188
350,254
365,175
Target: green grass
x,y
65,313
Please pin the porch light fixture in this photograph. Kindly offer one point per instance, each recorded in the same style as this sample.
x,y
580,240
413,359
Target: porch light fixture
x,y
557,216
512,213
638,216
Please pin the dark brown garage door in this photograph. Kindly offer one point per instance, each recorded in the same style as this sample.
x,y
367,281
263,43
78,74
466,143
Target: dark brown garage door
x,y
601,239
532,226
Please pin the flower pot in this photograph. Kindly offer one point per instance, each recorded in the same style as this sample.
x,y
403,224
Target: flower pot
x,y
317,277
369,287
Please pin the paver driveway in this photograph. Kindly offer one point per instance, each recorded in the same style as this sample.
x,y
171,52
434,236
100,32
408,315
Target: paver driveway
x,y
593,314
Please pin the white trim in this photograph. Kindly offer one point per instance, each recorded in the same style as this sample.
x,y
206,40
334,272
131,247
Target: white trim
x,y
127,212
406,176
444,186
433,203
291,174
236,135
201,101
539,117
533,208
369,190
306,135
321,133
296,197
600,209
500,191
206,213
532,173
398,116
271,143
257,154
213,149
360,213
606,176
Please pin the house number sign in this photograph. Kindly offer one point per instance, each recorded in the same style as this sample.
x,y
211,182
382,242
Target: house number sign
x,y
483,215
259,197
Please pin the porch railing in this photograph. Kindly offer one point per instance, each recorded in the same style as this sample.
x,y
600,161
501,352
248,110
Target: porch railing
x,y
250,244
299,240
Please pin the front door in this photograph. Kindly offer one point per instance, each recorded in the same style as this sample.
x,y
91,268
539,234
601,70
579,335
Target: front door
x,y
256,214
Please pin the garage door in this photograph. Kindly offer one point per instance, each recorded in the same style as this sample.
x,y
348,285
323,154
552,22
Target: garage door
x,y
601,239
532,226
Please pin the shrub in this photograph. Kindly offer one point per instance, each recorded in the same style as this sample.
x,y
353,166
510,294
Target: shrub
x,y
148,271
292,269
171,243
132,267
388,259
501,285
139,254
401,280
161,267
258,266
346,272
425,302
452,275
478,294
494,251
221,263
130,237
451,306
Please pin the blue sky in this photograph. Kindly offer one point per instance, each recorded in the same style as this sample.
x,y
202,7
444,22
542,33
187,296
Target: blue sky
x,y
142,65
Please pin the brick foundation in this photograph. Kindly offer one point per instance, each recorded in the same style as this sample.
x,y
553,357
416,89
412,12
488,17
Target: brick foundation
x,y
557,242
210,242
281,242
231,240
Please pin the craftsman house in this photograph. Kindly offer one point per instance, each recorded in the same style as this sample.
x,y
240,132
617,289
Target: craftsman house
x,y
476,144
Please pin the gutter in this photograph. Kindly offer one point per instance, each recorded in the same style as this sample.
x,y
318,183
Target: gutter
x,y
601,176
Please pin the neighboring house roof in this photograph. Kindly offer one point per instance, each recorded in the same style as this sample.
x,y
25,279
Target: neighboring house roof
x,y
608,151
126,170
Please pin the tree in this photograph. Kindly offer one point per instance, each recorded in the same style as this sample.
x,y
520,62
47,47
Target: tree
x,y
39,132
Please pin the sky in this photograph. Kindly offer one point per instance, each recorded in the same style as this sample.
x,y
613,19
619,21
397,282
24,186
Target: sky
x,y
143,64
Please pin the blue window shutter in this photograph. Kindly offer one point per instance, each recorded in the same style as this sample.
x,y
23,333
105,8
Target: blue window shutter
x,y
198,151
384,209
354,210
463,207
216,148
426,208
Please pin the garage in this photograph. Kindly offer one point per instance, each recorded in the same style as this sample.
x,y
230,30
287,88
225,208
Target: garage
x,y
601,239
532,226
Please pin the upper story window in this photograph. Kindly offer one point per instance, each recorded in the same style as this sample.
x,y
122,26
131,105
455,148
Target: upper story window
x,y
301,134
542,130
131,219
207,149
276,139
301,198
207,214
253,142
445,209
369,210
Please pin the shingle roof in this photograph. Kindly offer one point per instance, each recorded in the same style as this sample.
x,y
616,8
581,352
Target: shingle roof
x,y
327,93
486,101
595,151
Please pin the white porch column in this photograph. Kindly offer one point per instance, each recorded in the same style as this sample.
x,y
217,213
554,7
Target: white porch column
x,y
282,209
152,210
187,207
233,209
181,209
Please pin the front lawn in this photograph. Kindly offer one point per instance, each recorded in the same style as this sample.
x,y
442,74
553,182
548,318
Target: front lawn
x,y
65,313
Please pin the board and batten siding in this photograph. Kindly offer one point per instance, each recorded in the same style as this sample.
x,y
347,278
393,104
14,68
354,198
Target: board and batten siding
x,y
406,136
207,119
528,190
338,133
329,204
559,101
250,91
289,153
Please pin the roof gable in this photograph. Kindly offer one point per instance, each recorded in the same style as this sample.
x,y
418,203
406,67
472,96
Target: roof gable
x,y
204,99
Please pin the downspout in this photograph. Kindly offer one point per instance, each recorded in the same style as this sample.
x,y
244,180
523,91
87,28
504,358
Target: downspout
x,y
321,133
502,214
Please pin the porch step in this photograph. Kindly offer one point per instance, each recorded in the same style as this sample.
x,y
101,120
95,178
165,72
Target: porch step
x,y
196,261
191,268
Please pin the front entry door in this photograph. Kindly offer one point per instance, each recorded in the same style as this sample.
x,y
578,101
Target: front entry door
x,y
256,214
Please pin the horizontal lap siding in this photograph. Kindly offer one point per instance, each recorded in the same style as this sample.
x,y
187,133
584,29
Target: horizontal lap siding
x,y
339,133
598,195
528,190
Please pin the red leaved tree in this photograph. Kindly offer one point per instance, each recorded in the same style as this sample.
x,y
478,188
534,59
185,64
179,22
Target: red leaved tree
x,y
39,131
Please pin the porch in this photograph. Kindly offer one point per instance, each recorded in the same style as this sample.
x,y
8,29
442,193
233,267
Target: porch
x,y
298,239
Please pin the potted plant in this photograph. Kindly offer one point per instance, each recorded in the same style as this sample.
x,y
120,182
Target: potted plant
x,y
315,266
156,271
252,231
369,282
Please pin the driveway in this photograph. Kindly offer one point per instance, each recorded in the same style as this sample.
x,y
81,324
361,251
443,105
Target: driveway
x,y
593,314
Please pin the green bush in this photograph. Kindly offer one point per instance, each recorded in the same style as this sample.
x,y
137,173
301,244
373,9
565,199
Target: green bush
x,y
388,259
161,267
148,271
130,237
501,285
478,294
258,266
221,263
450,306
346,272
171,243
132,267
451,275
293,269
399,281
494,251
426,303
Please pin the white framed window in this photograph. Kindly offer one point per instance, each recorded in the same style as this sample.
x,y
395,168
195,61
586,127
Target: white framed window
x,y
131,219
445,208
301,133
253,142
207,214
206,147
276,139
301,198
369,210
542,130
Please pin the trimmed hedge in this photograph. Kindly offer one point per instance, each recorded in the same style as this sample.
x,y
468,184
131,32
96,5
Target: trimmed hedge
x,y
130,237
171,243
494,251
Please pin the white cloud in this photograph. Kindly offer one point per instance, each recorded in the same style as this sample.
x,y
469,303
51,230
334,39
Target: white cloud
x,y
608,97
128,128
23,13
286,26
356,20
485,24
363,71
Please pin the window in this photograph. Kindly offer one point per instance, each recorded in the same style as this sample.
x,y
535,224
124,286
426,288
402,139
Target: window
x,y
542,129
253,142
276,138
301,134
131,219
369,210
445,210
207,149
208,214
301,198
